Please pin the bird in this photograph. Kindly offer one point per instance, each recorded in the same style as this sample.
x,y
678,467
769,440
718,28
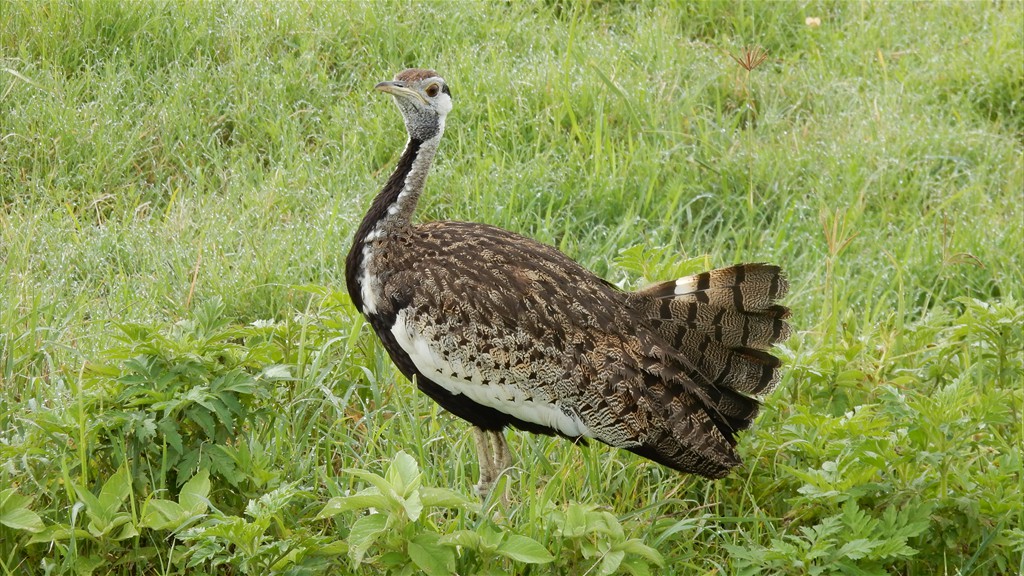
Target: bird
x,y
506,332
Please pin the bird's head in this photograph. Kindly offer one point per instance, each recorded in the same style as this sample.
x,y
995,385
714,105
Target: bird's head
x,y
424,99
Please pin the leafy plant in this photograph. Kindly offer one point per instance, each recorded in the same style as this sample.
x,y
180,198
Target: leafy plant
x,y
595,539
657,264
184,396
851,542
395,526
106,524
193,503
398,528
488,546
258,542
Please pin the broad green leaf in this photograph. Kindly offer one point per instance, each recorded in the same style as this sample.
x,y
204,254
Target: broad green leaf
x,y
194,493
575,521
223,413
196,394
276,372
524,549
403,474
21,519
464,538
430,556
224,464
413,505
88,564
162,514
115,490
368,498
332,508
611,561
171,435
234,381
204,419
381,484
285,561
392,561
101,527
235,408
336,548
57,533
611,526
635,546
849,377
127,530
364,533
635,566
92,504
14,512
166,406
490,536
445,498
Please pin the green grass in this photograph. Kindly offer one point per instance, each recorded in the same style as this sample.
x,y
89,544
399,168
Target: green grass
x,y
179,183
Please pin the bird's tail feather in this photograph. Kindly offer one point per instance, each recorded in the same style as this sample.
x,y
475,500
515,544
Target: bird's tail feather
x,y
744,287
718,327
723,322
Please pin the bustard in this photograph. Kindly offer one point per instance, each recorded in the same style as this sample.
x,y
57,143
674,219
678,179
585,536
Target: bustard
x,y
501,330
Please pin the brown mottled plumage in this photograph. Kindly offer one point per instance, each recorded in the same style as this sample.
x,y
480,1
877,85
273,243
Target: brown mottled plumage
x,y
504,331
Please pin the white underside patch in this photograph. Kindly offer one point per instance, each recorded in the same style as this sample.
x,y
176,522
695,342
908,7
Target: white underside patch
x,y
459,379
368,284
685,285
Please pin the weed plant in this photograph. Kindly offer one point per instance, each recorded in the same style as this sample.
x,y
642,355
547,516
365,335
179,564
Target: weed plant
x,y
185,387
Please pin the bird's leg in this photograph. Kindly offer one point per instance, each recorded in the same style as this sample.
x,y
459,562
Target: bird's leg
x,y
492,451
499,449
501,459
483,453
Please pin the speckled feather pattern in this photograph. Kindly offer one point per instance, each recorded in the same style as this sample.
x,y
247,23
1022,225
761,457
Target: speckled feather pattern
x,y
504,331
673,383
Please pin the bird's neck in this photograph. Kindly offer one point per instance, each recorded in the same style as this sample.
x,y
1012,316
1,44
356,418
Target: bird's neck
x,y
392,208
390,213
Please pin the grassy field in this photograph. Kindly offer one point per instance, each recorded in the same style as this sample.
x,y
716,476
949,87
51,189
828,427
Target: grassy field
x,y
185,387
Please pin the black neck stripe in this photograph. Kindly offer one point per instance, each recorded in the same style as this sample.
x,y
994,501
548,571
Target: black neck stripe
x,y
378,212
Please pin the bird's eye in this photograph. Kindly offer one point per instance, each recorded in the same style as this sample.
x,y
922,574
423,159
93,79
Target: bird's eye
x,y
432,90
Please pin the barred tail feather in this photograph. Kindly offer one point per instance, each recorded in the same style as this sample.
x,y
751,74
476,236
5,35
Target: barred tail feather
x,y
724,322
744,287
758,329
746,369
715,331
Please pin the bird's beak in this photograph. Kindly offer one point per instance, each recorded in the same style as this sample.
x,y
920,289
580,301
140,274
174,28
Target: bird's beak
x,y
397,89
